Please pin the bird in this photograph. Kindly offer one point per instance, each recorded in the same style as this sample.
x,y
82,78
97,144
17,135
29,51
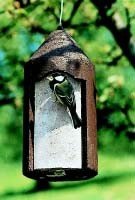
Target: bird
x,y
64,93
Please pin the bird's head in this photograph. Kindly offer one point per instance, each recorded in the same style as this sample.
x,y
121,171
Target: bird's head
x,y
56,77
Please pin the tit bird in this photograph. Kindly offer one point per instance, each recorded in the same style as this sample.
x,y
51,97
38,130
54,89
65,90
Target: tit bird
x,y
64,93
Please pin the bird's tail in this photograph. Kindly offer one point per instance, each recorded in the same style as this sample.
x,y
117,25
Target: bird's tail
x,y
76,119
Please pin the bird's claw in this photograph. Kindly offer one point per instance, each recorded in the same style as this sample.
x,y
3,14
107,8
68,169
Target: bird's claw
x,y
54,100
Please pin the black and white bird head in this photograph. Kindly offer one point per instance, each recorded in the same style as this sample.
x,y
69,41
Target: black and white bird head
x,y
56,77
64,93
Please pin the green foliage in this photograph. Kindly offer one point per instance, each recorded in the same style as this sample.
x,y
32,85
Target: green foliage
x,y
10,133
23,29
113,182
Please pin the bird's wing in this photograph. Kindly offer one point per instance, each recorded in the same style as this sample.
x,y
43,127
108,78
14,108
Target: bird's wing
x,y
65,92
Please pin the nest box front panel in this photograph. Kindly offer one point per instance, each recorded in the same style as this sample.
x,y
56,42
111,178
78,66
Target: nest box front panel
x,y
57,143
59,135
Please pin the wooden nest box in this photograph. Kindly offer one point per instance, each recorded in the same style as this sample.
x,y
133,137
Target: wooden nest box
x,y
55,148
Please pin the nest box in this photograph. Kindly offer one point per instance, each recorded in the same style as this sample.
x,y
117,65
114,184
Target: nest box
x,y
55,147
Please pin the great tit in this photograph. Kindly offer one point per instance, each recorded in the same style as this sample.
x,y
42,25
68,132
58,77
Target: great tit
x,y
64,93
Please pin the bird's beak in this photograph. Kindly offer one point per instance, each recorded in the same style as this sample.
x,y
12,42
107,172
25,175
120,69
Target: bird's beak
x,y
50,78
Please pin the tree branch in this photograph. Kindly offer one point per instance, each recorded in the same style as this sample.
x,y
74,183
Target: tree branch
x,y
73,12
36,28
6,101
84,24
114,61
24,3
121,32
51,11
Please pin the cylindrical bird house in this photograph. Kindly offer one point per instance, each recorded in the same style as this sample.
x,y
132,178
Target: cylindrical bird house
x,y
59,112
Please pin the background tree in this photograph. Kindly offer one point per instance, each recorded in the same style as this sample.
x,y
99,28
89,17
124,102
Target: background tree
x,y
104,30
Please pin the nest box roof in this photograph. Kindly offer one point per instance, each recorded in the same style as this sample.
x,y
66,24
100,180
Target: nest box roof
x,y
58,52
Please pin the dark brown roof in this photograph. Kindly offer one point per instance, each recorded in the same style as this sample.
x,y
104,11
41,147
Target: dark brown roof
x,y
58,52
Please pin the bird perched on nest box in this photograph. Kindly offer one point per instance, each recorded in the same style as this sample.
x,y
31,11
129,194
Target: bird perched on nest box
x,y
64,93
55,148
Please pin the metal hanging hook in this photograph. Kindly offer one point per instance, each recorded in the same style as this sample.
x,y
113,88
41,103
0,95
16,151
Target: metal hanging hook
x,y
61,12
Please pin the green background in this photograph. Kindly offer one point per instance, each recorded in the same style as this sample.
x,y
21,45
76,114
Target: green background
x,y
24,25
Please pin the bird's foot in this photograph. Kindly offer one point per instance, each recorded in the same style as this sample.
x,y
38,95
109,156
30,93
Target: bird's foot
x,y
53,99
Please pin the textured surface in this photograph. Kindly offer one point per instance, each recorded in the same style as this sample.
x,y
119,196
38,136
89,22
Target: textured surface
x,y
60,53
56,142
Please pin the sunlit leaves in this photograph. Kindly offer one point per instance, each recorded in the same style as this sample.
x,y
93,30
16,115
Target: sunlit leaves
x,y
23,29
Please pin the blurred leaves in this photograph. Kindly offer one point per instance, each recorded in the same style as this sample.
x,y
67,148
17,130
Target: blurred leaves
x,y
25,24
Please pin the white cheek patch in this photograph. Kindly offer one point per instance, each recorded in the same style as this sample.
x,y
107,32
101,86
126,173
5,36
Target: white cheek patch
x,y
59,78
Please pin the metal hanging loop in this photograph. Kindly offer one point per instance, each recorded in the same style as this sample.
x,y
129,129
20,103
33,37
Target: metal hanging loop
x,y
61,12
